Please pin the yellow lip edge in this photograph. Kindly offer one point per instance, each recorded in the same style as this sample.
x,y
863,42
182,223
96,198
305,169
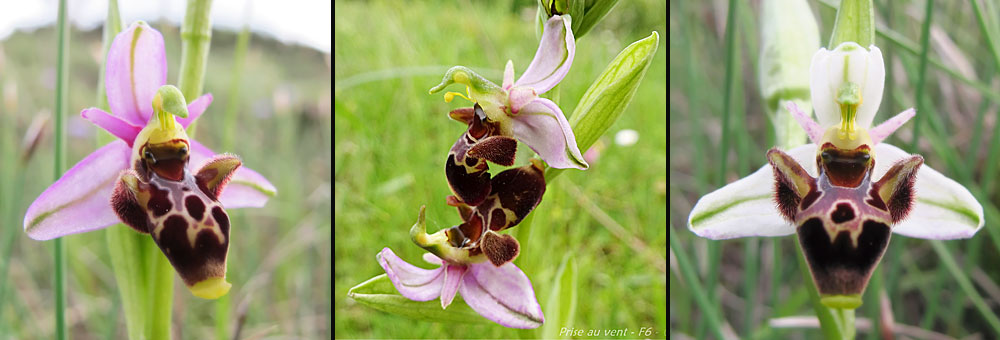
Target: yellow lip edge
x,y
211,288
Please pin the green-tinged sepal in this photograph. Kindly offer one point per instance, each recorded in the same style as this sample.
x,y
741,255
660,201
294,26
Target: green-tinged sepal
x,y
379,293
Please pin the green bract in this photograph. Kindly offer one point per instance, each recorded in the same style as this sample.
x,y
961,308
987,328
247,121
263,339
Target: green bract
x,y
609,95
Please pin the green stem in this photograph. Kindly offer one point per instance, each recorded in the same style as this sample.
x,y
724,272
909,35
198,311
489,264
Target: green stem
x,y
726,100
691,279
963,282
239,58
161,292
922,71
62,71
196,37
130,274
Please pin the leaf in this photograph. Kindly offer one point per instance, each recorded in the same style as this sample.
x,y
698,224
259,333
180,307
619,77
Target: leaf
x,y
609,95
379,293
562,300
593,13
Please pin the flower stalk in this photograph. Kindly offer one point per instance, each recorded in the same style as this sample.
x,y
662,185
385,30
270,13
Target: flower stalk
x,y
196,38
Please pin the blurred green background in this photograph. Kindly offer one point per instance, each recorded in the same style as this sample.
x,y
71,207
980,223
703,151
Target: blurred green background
x,y
392,139
759,279
279,258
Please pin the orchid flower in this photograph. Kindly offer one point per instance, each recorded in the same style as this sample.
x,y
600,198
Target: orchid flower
x,y
846,192
144,179
501,293
515,107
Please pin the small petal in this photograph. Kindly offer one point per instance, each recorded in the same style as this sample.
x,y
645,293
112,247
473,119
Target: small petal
x,y
746,207
414,283
543,127
112,124
508,75
79,201
452,278
195,109
880,132
502,294
943,209
813,129
246,188
553,57
519,97
136,68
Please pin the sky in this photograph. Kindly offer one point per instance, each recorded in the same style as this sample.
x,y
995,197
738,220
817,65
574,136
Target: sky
x,y
303,22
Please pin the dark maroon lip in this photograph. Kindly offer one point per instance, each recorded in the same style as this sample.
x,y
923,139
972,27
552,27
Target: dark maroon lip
x,y
170,169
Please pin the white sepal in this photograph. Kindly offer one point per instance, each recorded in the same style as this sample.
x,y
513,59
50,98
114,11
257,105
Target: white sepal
x,y
746,207
943,209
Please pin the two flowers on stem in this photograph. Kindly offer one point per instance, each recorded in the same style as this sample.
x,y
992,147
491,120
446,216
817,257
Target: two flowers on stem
x,y
474,259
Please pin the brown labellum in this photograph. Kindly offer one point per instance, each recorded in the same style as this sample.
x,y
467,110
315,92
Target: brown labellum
x,y
844,219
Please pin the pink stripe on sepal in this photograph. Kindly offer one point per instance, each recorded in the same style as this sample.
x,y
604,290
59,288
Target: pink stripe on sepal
x,y
412,282
80,200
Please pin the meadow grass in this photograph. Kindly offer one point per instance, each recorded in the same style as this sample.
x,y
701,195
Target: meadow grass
x,y
392,139
279,259
942,64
